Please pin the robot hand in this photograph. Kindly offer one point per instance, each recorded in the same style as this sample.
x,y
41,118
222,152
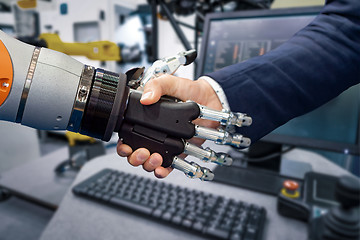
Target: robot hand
x,y
164,126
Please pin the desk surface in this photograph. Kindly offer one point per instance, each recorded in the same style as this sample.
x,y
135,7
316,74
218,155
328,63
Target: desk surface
x,y
79,218
37,181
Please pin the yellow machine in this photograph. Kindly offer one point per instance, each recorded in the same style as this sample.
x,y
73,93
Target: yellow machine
x,y
77,137
99,50
27,3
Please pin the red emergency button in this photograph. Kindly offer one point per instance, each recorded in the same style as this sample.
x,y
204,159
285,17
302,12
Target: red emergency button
x,y
290,189
291,185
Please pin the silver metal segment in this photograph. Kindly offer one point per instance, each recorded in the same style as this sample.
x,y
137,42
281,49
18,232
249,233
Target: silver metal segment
x,y
82,95
53,91
192,170
222,137
208,155
167,65
27,85
225,117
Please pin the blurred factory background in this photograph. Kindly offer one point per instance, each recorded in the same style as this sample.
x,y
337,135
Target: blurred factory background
x,y
116,35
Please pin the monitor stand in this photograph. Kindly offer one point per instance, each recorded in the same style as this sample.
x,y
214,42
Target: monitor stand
x,y
263,176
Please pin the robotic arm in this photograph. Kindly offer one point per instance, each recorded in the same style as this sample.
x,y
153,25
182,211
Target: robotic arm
x,y
48,90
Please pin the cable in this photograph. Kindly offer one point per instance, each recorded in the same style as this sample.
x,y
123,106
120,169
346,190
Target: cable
x,y
4,194
267,157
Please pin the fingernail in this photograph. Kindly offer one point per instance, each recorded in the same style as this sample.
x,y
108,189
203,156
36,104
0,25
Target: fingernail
x,y
146,96
141,156
122,154
153,161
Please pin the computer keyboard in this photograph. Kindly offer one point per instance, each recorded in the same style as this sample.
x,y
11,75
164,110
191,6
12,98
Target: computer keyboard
x,y
204,213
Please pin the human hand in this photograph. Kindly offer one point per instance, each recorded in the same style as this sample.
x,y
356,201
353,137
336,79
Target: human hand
x,y
198,91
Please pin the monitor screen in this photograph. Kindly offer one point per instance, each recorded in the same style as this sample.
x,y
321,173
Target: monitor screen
x,y
235,37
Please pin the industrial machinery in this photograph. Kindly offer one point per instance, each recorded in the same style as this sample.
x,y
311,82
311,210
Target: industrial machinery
x,y
99,50
96,50
48,90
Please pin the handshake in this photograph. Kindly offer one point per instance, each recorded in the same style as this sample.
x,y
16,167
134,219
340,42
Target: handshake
x,y
171,117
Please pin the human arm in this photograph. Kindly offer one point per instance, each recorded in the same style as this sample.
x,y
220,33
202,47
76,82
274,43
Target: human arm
x,y
290,80
314,66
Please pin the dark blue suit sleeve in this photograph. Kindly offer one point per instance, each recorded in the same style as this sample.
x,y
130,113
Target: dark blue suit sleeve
x,y
314,66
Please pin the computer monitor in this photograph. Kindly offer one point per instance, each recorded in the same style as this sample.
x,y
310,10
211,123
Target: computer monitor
x,y
231,38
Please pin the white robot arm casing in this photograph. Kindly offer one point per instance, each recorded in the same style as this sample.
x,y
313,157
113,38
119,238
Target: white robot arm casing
x,y
51,91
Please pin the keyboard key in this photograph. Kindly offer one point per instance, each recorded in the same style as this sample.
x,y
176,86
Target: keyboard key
x,y
235,236
157,213
98,195
250,234
254,220
198,226
187,223
177,219
217,232
167,216
106,197
91,193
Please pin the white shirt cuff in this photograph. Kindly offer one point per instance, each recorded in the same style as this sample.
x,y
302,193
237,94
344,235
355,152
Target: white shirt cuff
x,y
218,90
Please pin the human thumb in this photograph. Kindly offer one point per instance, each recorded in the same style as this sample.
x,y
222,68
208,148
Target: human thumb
x,y
147,98
155,88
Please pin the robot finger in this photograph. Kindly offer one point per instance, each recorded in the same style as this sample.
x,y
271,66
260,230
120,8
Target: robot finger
x,y
220,136
192,169
168,65
225,117
207,155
